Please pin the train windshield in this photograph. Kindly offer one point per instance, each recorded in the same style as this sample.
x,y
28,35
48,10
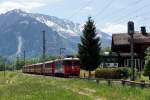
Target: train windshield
x,y
67,62
71,62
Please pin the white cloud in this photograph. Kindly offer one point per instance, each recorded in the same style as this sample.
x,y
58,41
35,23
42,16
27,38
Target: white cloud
x,y
9,5
88,8
114,28
87,0
26,5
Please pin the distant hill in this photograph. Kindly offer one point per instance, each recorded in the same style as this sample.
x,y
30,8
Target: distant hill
x,y
20,31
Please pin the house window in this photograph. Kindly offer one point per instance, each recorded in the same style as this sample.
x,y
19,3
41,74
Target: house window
x,y
136,63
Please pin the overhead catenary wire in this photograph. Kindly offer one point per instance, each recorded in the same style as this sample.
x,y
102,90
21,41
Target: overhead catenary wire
x,y
130,13
114,12
134,11
78,10
104,8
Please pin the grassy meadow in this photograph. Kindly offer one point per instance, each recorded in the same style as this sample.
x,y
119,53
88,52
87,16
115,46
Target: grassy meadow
x,y
19,86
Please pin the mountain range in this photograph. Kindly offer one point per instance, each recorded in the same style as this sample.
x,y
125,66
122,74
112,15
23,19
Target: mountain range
x,y
21,31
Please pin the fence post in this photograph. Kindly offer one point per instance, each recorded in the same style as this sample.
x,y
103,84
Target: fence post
x,y
109,82
142,84
123,82
97,81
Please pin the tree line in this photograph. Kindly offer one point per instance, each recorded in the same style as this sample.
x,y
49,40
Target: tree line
x,y
18,63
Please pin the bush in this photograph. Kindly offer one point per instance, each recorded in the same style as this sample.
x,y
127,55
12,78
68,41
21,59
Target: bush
x,y
147,63
113,73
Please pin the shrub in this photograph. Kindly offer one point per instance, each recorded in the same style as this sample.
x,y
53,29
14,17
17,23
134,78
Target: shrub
x,y
112,73
147,63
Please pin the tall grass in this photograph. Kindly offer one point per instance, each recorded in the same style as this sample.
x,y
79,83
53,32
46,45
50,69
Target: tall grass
x,y
18,86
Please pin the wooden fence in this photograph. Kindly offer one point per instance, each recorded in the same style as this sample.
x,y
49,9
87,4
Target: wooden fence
x,y
123,82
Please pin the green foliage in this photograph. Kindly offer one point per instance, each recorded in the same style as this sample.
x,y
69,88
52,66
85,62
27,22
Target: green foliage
x,y
147,63
19,64
107,49
89,48
113,73
2,63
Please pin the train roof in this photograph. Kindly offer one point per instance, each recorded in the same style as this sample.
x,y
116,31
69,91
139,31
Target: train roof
x,y
71,59
33,64
49,62
65,59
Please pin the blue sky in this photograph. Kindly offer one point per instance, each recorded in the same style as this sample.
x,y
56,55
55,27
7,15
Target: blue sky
x,y
109,15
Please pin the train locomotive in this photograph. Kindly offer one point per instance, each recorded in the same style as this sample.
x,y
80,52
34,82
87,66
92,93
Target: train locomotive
x,y
60,67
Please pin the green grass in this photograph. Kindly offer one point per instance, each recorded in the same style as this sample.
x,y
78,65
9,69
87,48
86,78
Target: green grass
x,y
18,86
146,78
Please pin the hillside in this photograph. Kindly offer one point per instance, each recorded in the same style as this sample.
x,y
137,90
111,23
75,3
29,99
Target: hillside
x,y
18,86
20,31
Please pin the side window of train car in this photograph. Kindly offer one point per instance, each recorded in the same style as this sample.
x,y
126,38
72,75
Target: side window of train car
x,y
47,65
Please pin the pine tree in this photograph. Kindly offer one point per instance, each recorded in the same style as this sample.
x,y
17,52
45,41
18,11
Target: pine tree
x,y
147,63
89,48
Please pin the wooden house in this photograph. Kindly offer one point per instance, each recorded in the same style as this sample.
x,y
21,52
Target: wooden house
x,y
121,45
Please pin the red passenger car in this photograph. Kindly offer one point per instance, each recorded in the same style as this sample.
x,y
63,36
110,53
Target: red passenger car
x,y
59,67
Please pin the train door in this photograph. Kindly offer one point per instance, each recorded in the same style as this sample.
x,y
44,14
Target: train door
x,y
58,67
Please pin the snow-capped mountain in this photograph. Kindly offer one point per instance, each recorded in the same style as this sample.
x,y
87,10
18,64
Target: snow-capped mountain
x,y
20,31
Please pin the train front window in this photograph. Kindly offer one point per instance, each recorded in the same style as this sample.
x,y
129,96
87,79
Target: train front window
x,y
71,63
67,62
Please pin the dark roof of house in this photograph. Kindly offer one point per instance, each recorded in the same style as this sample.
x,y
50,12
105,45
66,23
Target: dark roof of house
x,y
123,38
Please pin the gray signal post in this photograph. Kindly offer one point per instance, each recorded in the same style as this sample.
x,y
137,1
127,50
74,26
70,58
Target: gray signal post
x,y
44,49
4,70
17,63
132,58
61,49
24,57
131,33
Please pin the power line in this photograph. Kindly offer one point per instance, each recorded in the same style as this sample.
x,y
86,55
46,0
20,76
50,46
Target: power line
x,y
137,1
145,13
104,8
122,17
78,10
120,10
133,12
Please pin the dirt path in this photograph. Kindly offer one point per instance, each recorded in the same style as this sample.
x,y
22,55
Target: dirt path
x,y
86,92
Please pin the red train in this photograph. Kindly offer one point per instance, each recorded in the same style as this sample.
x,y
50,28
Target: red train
x,y
59,67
